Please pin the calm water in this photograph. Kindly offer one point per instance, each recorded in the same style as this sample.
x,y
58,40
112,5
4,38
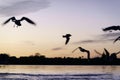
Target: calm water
x,y
48,72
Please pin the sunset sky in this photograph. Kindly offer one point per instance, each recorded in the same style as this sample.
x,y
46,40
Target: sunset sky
x,y
83,19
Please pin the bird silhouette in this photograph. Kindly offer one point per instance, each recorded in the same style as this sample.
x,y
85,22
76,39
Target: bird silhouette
x,y
112,28
83,50
67,36
118,38
115,28
107,55
18,22
103,55
113,56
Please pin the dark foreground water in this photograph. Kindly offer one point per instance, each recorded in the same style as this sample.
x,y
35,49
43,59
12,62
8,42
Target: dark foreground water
x,y
47,72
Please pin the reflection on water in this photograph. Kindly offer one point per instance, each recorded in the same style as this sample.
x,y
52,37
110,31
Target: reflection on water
x,y
55,72
56,69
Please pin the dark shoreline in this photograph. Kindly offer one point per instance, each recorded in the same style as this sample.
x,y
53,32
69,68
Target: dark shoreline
x,y
5,59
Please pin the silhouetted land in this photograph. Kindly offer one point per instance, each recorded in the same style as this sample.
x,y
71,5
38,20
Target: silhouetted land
x,y
42,60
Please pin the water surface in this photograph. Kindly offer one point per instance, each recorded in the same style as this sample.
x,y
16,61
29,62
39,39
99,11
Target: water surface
x,y
59,72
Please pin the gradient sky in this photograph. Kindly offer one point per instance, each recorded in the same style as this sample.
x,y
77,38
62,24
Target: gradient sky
x,y
84,19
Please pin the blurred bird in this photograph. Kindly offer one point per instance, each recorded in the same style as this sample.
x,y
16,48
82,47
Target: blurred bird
x,y
67,36
112,28
83,50
18,22
118,38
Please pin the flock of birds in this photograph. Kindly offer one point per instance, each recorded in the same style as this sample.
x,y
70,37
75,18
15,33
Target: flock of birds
x,y
67,36
18,23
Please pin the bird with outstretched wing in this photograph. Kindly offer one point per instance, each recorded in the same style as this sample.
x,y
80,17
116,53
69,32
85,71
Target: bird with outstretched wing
x,y
115,28
18,22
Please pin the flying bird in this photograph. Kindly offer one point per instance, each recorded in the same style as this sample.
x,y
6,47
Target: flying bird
x,y
107,55
18,22
67,36
83,50
118,38
115,28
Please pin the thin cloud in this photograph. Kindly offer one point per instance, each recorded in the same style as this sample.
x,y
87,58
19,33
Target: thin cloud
x,y
29,43
89,41
20,7
57,48
93,41
109,35
100,38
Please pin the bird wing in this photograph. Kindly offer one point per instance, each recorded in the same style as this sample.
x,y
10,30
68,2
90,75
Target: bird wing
x,y
118,52
74,50
82,49
107,52
28,20
68,35
112,28
67,40
64,36
116,39
12,18
97,52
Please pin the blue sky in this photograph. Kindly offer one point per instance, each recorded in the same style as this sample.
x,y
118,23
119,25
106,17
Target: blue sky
x,y
84,19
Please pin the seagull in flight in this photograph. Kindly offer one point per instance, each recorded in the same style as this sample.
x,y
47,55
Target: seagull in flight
x,y
18,22
83,50
67,36
115,28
